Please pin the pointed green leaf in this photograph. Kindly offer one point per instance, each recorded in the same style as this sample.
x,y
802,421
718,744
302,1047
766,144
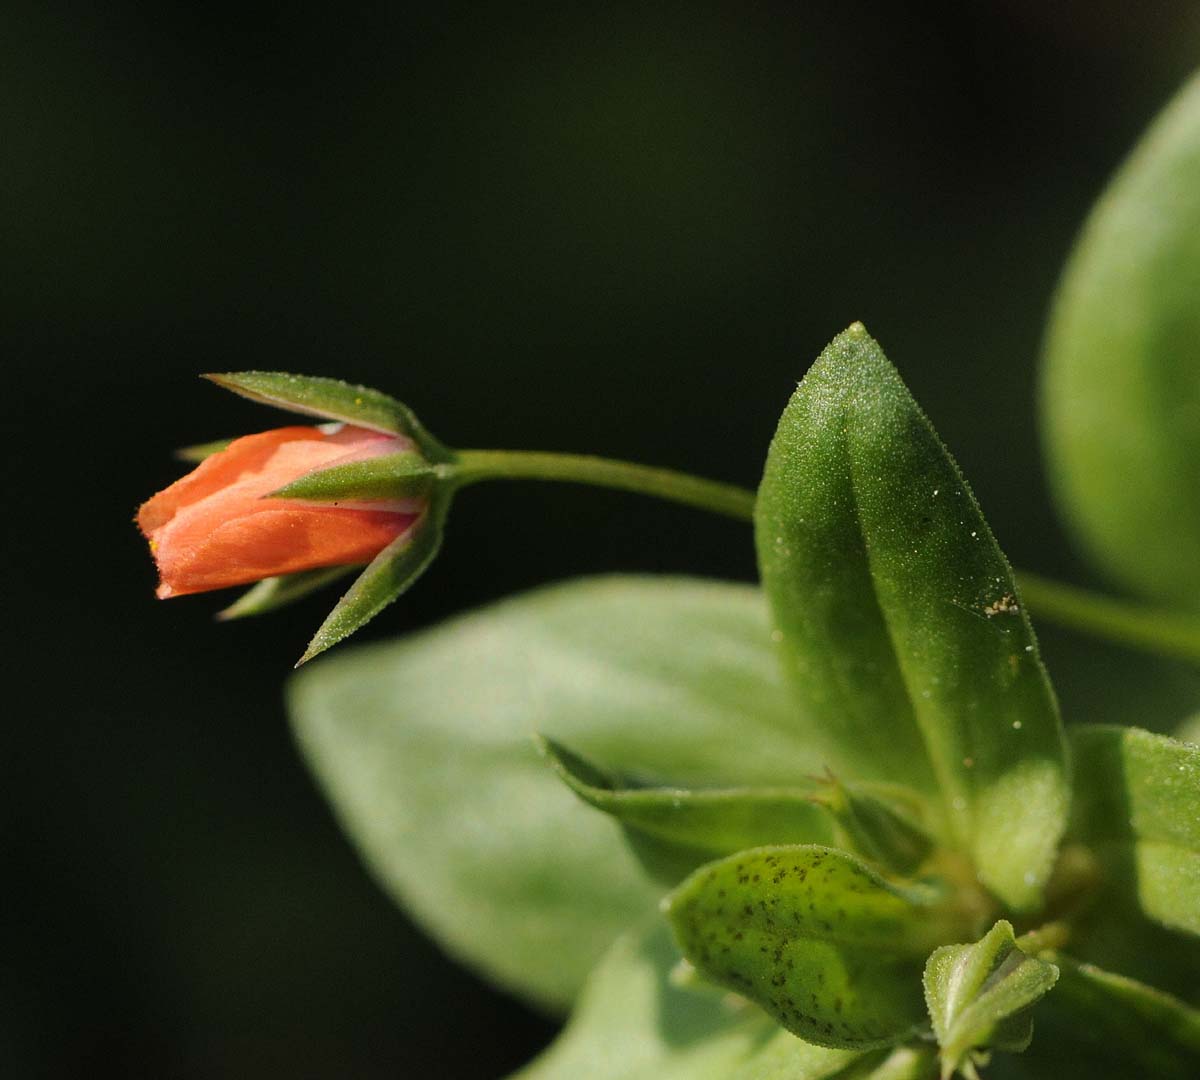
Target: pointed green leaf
x,y
1121,384
826,946
385,578
694,825
1117,1026
276,592
979,996
1138,799
387,478
900,621
199,451
633,1023
333,399
423,748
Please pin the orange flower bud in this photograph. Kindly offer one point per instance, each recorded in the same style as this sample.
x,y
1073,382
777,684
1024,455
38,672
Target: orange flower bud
x,y
215,527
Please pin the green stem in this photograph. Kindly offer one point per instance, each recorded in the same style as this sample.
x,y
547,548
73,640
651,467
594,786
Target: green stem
x,y
1133,625
472,466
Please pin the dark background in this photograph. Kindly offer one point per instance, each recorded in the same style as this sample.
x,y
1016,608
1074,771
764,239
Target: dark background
x,y
625,231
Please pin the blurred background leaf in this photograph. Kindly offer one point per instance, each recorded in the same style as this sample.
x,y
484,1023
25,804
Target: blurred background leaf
x,y
625,231
1121,392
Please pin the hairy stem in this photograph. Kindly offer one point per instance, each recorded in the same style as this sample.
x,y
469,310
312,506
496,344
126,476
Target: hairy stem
x,y
730,500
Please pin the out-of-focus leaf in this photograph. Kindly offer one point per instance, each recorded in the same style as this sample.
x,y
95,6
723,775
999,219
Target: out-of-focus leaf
x,y
695,826
333,399
633,1023
900,622
424,748
1138,802
1189,730
1116,1026
386,577
828,948
199,451
381,479
1121,385
979,997
276,592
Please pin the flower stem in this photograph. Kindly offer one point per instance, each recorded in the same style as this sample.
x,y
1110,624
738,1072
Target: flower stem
x,y
1133,625
730,500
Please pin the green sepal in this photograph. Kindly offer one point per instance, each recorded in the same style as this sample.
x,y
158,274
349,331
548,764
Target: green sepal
x,y
385,578
387,478
827,947
1137,803
900,622
333,399
979,998
882,828
674,830
276,592
1120,1025
197,452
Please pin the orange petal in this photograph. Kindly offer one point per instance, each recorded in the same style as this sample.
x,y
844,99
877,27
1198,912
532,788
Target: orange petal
x,y
214,528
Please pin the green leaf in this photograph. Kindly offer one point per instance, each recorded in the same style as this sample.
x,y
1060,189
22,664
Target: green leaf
x,y
695,826
1121,382
900,621
633,1023
979,997
387,478
903,1063
1123,1027
1138,800
333,399
276,592
423,747
826,946
387,577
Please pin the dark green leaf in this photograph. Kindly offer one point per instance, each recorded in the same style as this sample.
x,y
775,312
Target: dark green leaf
x,y
386,578
276,592
1138,800
900,621
423,747
827,947
979,997
1118,1026
633,1023
1121,386
388,478
695,826
333,399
